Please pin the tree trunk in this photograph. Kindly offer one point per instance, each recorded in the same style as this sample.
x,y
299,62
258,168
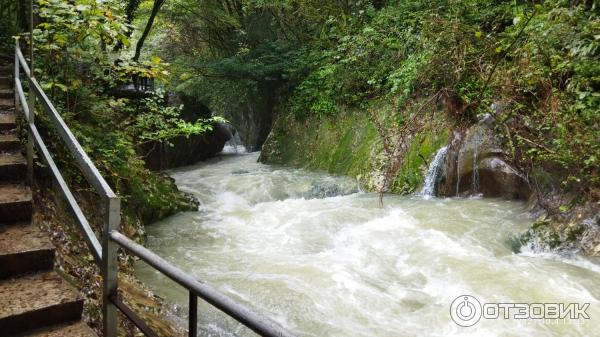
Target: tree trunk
x,y
155,9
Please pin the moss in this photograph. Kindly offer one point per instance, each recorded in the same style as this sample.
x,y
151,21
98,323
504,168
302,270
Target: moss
x,y
157,197
549,234
421,151
340,146
349,144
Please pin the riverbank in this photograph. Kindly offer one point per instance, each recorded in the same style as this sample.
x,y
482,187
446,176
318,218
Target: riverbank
x,y
350,145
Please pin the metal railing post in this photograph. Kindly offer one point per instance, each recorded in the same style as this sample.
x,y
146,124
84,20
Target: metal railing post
x,y
17,76
110,266
30,139
193,315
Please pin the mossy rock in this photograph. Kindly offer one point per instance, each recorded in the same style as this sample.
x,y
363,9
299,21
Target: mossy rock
x,y
157,197
547,234
349,144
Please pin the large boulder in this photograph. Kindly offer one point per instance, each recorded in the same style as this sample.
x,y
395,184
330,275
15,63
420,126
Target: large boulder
x,y
499,179
475,164
186,150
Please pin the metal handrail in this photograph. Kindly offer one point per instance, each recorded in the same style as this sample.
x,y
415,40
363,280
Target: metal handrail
x,y
105,252
85,163
261,325
89,236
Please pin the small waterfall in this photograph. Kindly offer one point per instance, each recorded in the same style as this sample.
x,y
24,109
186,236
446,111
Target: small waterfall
x,y
475,184
458,173
234,144
456,143
433,173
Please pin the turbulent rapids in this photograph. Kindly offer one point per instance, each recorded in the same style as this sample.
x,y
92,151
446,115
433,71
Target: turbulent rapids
x,y
324,259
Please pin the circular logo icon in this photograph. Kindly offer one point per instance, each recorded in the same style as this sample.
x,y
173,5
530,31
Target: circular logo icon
x,y
465,310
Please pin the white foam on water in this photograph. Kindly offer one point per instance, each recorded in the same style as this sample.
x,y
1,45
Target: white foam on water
x,y
307,250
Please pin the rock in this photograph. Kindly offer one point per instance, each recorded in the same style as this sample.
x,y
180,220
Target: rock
x,y
590,240
566,235
496,179
328,189
475,165
479,143
240,172
253,119
185,150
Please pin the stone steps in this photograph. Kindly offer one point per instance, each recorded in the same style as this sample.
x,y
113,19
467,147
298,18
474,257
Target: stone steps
x,y
13,167
5,82
7,103
9,142
7,121
76,329
37,300
24,248
7,94
15,203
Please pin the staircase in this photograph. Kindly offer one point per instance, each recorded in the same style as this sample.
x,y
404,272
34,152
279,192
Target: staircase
x,y
34,299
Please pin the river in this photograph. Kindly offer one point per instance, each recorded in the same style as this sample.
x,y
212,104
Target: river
x,y
324,259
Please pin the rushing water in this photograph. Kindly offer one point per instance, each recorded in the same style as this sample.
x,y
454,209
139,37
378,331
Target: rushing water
x,y
433,172
324,259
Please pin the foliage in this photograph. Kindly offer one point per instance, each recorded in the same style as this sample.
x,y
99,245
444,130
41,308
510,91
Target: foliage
x,y
393,52
157,122
83,73
226,52
533,67
10,10
554,93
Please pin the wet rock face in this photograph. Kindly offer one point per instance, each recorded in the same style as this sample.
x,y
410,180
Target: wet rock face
x,y
549,234
185,150
475,165
590,240
495,178
254,119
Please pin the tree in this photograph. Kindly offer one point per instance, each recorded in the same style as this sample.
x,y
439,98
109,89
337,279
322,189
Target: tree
x,y
155,9
130,11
